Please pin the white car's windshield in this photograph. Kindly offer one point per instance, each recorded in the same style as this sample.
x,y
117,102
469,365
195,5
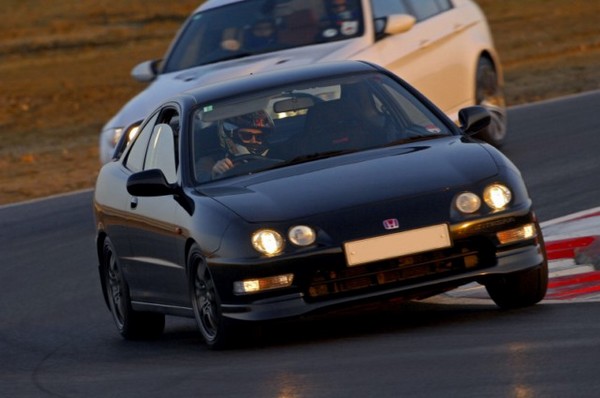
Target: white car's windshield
x,y
301,123
257,26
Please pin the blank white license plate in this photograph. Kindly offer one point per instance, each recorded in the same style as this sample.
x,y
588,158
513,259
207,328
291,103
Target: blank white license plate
x,y
397,245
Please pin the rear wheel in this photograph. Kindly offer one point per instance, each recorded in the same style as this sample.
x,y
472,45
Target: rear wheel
x,y
131,324
520,289
489,94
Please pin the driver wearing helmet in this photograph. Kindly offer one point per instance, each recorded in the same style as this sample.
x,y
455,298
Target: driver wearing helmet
x,y
243,135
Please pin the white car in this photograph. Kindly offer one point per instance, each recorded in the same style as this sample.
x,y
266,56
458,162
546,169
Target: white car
x,y
442,47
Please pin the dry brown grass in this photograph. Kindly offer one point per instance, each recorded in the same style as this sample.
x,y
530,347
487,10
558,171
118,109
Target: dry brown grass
x,y
65,70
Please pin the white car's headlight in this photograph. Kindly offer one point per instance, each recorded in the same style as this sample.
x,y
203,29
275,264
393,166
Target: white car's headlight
x,y
268,242
113,136
497,196
301,235
467,202
108,141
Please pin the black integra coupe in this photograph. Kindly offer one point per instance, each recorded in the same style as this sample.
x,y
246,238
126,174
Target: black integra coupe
x,y
284,194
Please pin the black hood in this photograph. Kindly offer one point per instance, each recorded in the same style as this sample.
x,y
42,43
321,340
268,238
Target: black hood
x,y
353,180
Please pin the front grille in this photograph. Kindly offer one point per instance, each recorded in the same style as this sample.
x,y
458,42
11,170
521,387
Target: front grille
x,y
401,271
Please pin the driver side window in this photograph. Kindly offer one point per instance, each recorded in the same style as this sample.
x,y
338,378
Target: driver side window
x,y
137,154
161,152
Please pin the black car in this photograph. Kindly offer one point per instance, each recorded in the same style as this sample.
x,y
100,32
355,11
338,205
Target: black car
x,y
282,194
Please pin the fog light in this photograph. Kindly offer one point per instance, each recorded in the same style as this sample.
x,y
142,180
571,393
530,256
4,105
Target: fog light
x,y
514,235
258,285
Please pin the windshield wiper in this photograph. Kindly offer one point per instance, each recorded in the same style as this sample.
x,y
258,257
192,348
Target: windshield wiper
x,y
415,139
312,156
229,58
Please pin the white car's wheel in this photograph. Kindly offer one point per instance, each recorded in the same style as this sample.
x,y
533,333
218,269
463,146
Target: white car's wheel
x,y
490,95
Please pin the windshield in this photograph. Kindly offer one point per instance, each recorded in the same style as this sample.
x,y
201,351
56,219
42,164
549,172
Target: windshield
x,y
302,123
258,26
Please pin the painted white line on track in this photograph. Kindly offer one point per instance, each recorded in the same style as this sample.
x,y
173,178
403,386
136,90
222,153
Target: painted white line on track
x,y
36,200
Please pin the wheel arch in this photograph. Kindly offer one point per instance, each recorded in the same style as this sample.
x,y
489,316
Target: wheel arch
x,y
100,238
189,244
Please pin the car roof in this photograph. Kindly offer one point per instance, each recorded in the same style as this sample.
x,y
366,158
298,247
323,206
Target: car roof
x,y
259,81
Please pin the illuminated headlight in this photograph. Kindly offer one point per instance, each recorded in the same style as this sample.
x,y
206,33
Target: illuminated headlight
x,y
524,232
267,241
467,202
113,136
497,196
261,284
301,235
133,131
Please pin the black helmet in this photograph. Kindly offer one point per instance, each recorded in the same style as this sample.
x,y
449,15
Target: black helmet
x,y
246,134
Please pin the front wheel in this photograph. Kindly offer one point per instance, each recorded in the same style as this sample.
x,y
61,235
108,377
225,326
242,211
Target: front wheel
x,y
217,331
132,325
520,289
489,94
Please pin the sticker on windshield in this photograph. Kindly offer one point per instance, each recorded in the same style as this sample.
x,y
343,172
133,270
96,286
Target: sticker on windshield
x,y
329,33
349,28
433,128
208,108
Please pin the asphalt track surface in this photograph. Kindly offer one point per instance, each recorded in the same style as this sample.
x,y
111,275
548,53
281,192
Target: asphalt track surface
x,y
57,337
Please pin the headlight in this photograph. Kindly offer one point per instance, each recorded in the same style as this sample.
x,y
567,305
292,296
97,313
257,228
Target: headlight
x,y
301,235
112,136
267,241
467,202
497,196
108,141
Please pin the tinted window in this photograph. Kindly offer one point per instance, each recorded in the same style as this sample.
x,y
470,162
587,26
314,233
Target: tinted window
x,y
161,152
251,27
305,122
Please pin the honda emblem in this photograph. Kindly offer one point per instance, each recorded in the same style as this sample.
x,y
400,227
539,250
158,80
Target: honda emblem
x,y
391,223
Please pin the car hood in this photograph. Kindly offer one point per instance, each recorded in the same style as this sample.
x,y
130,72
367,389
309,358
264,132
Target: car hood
x,y
169,84
355,181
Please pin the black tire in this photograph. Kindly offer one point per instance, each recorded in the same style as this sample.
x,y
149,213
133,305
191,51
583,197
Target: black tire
x,y
217,331
520,289
132,325
489,94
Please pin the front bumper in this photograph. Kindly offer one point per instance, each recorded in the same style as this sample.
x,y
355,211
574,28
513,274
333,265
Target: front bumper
x,y
323,281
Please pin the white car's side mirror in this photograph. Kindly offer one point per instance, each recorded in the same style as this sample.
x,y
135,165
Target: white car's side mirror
x,y
399,23
145,72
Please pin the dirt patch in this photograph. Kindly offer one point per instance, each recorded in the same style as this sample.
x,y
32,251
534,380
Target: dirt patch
x,y
65,70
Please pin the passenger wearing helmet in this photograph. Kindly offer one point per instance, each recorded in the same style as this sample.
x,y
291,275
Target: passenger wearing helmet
x,y
243,135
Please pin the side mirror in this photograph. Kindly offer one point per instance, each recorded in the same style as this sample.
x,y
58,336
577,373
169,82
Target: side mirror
x,y
149,183
399,23
146,71
473,119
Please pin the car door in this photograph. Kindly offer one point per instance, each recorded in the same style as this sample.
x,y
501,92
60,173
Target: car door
x,y
156,272
431,55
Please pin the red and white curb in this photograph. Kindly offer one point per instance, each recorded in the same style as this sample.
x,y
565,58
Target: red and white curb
x,y
573,248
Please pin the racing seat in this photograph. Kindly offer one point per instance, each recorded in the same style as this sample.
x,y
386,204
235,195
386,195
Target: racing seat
x,y
298,28
329,126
